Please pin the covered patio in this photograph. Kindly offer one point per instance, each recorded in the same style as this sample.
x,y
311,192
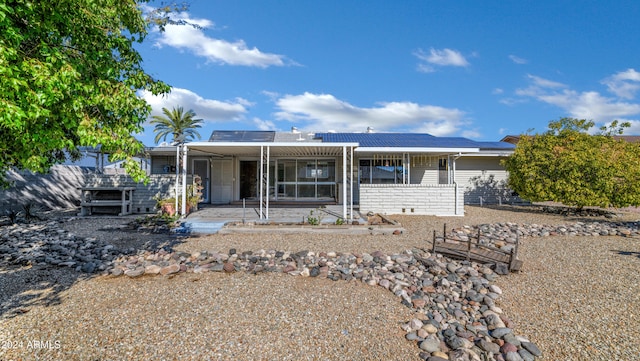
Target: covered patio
x,y
328,168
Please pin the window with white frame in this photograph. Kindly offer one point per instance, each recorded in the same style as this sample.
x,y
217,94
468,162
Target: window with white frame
x,y
382,171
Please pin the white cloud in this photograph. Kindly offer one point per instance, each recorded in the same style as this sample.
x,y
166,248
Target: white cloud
x,y
512,101
324,111
545,83
424,68
273,96
502,131
471,133
195,40
207,109
624,84
264,124
444,57
583,105
497,91
634,128
590,105
517,59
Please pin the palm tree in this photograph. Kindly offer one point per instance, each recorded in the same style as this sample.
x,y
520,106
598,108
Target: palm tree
x,y
178,123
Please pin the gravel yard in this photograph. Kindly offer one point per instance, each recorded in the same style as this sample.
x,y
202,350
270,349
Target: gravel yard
x,y
576,298
579,298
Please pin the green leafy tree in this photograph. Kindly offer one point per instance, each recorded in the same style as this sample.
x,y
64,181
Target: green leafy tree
x,y
567,164
69,74
178,123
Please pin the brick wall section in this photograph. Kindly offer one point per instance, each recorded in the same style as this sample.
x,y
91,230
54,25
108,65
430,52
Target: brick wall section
x,y
437,199
161,185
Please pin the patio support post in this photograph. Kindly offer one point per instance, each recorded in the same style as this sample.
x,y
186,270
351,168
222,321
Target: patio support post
x,y
344,182
260,190
449,169
452,171
184,182
177,174
267,179
264,181
351,186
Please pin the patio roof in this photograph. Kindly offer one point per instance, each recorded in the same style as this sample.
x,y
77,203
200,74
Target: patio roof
x,y
297,149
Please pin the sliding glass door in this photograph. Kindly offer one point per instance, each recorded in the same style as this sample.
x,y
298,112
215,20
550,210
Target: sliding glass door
x,y
306,179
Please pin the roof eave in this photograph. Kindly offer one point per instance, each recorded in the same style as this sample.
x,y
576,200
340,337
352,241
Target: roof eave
x,y
269,144
416,150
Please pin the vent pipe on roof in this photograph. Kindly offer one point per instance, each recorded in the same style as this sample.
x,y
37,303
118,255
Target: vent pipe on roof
x,y
369,130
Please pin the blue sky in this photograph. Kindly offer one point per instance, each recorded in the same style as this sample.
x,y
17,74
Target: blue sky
x,y
477,69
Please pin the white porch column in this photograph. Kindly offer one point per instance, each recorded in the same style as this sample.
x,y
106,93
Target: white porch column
x,y
453,169
351,185
266,201
177,176
344,182
184,182
261,177
406,168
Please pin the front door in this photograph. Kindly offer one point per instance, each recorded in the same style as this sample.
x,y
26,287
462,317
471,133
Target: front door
x,y
248,179
222,181
201,168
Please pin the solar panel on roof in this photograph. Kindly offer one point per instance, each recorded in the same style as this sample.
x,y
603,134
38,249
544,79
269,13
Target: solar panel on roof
x,y
242,136
398,140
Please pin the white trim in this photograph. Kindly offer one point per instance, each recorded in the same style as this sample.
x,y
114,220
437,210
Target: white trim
x,y
415,150
488,154
271,144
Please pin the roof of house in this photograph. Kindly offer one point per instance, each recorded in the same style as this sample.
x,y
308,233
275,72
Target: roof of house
x,y
409,140
496,145
234,141
242,136
629,138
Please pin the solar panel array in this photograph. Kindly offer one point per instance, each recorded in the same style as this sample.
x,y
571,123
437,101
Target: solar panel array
x,y
391,140
242,136
417,140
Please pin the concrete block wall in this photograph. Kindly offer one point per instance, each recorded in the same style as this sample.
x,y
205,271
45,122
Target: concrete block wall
x,y
418,199
57,189
159,185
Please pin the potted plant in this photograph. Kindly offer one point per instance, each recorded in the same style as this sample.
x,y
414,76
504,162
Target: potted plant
x,y
167,205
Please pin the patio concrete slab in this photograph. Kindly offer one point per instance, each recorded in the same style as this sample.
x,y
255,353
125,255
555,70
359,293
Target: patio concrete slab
x,y
211,219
